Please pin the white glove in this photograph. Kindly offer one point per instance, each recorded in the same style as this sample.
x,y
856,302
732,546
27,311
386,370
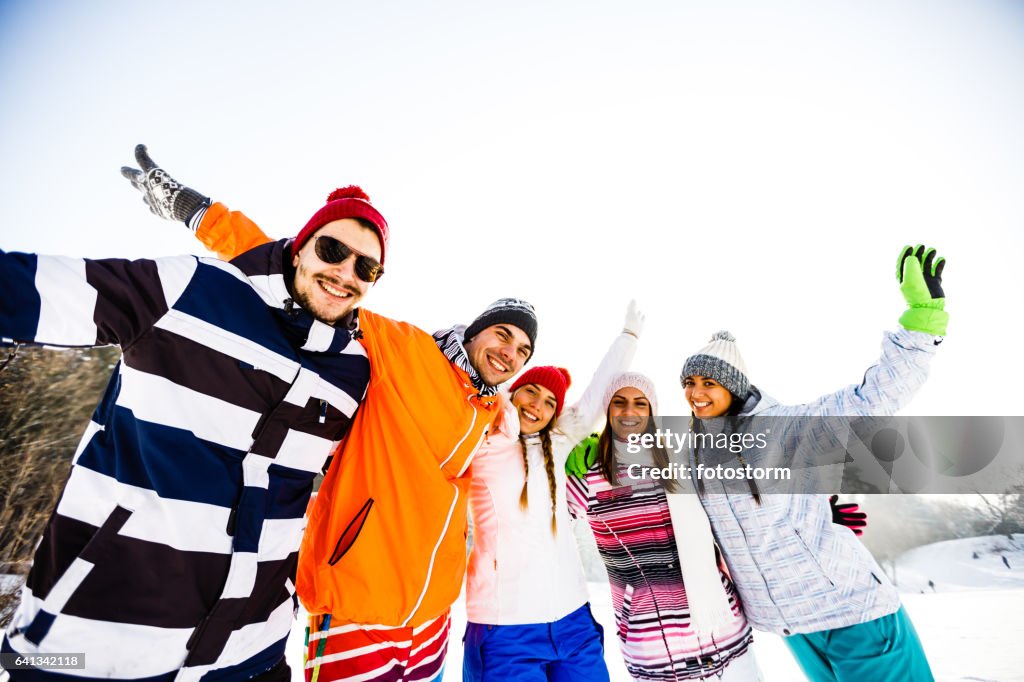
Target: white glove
x,y
634,323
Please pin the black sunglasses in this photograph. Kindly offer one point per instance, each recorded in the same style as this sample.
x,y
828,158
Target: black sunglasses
x,y
332,251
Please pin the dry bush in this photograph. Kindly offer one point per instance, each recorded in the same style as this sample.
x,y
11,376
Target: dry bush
x,y
46,398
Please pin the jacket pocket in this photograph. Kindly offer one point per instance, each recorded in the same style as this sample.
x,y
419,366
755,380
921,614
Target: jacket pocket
x,y
72,578
351,532
811,558
613,494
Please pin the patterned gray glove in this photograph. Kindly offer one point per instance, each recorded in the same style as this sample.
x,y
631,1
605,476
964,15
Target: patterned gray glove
x,y
165,196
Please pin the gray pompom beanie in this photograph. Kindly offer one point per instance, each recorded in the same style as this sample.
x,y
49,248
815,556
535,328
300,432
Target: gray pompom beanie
x,y
720,360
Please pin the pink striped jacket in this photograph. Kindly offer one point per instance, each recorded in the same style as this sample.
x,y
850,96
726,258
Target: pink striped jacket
x,y
634,535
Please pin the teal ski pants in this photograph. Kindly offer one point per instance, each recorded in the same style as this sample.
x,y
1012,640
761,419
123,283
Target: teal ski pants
x,y
886,649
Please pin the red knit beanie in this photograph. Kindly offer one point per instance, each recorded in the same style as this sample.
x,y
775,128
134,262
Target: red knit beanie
x,y
555,379
345,202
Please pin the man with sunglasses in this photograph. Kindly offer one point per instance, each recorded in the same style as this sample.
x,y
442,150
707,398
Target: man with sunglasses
x,y
172,551
384,551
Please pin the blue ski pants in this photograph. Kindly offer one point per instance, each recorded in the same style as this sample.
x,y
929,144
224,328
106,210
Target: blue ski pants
x,y
570,649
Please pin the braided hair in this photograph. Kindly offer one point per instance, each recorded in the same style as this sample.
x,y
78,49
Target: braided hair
x,y
549,468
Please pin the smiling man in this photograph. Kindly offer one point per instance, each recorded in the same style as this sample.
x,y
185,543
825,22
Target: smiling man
x,y
495,342
384,552
172,551
327,281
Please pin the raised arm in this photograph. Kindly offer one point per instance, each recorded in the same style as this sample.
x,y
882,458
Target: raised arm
x,y
889,384
226,233
579,419
229,233
60,301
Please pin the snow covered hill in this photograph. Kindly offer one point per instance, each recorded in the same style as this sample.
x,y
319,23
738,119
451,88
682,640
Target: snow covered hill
x,y
993,562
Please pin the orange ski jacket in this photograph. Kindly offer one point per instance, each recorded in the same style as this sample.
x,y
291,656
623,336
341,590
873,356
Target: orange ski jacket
x,y
385,541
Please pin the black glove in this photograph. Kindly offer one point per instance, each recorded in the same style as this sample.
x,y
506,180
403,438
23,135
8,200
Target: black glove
x,y
848,515
165,196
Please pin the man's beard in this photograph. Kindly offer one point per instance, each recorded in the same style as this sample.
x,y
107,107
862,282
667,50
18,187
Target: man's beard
x,y
304,300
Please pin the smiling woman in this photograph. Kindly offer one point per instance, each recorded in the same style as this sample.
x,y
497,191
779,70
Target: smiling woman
x,y
677,613
526,597
707,397
630,411
536,405
800,575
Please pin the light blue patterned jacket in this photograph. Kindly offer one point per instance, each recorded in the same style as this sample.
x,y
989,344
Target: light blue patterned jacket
x,y
796,571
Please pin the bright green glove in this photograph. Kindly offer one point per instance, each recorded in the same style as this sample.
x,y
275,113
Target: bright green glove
x,y
582,457
920,274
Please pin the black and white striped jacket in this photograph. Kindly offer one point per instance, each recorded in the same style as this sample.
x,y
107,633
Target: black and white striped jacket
x,y
172,551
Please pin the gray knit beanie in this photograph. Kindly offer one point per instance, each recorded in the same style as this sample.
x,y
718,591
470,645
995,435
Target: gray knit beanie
x,y
720,360
513,311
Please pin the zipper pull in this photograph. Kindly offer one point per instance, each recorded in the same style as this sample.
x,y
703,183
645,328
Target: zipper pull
x,y
323,411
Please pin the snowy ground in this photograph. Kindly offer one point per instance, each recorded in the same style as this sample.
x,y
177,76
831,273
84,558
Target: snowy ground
x,y
968,564
970,626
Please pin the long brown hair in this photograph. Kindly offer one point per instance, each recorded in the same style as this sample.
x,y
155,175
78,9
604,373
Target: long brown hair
x,y
549,467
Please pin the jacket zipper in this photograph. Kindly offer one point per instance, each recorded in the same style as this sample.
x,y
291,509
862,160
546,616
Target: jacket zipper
x,y
472,454
233,514
462,440
433,556
451,510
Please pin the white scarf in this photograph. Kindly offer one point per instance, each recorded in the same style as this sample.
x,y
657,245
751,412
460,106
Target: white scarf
x,y
710,612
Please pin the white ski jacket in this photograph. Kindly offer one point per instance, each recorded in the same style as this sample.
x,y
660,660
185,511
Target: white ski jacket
x,y
518,571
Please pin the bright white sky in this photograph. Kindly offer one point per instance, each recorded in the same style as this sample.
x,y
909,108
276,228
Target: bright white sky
x,y
732,166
